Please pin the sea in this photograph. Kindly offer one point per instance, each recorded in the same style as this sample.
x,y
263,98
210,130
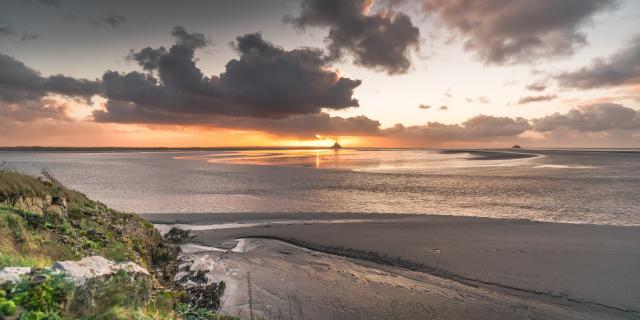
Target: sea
x,y
588,186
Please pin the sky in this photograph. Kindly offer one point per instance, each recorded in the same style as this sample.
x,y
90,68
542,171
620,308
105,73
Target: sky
x,y
387,73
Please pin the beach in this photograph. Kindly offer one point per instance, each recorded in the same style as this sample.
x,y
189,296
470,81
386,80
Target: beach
x,y
477,267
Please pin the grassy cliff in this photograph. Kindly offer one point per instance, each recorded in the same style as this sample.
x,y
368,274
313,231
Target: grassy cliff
x,y
41,222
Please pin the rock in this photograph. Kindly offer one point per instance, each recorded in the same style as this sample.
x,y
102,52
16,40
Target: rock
x,y
177,236
13,274
95,266
59,201
35,205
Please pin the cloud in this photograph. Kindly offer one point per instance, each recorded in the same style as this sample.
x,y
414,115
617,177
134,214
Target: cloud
x,y
20,83
30,110
378,40
517,31
478,128
113,20
530,99
8,32
29,36
443,108
621,68
536,86
194,40
483,100
266,81
591,118
424,106
24,92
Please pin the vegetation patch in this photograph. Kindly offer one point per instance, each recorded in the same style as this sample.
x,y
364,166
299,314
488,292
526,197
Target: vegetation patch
x,y
41,222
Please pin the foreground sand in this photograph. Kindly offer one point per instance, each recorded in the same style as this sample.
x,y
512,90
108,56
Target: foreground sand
x,y
488,268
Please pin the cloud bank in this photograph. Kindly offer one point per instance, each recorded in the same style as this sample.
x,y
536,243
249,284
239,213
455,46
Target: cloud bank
x,y
591,118
266,81
24,92
516,31
621,68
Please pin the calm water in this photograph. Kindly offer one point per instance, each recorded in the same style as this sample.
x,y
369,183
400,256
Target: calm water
x,y
567,186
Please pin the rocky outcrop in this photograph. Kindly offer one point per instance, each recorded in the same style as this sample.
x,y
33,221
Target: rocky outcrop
x,y
96,266
13,274
87,287
38,205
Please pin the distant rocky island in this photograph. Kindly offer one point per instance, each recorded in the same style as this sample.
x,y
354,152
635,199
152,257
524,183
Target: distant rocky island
x,y
516,147
336,146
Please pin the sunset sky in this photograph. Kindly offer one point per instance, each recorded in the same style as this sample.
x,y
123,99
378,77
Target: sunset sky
x,y
391,73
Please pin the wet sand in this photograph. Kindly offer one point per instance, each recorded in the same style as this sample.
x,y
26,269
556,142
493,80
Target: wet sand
x,y
577,268
290,282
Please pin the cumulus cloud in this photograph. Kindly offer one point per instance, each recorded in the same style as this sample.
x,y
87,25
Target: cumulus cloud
x,y
530,99
591,118
516,31
379,40
266,81
621,68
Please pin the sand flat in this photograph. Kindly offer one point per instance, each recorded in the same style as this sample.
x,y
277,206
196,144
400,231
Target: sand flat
x,y
587,266
290,282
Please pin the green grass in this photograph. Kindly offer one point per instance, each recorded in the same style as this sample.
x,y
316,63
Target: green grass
x,y
86,228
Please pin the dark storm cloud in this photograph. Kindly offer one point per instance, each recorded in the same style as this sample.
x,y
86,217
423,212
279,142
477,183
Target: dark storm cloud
x,y
23,92
530,99
302,125
19,83
478,128
516,31
194,40
266,81
379,40
592,118
621,68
